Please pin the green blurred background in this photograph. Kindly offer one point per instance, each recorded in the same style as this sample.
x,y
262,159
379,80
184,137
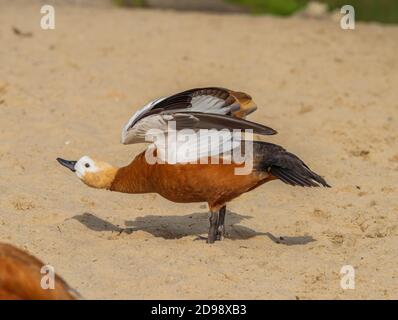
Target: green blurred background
x,y
385,11
365,10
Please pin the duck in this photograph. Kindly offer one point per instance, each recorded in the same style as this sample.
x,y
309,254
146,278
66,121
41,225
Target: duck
x,y
201,148
21,277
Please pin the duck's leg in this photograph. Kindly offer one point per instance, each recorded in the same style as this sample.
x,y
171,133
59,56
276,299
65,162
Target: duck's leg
x,y
213,226
221,223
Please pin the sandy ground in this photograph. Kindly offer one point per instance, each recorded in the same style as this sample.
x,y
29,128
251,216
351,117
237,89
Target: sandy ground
x,y
331,94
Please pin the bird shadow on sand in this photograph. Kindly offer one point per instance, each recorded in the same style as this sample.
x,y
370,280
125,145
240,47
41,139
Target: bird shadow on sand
x,y
176,227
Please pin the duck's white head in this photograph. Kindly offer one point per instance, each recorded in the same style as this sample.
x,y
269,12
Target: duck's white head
x,y
94,173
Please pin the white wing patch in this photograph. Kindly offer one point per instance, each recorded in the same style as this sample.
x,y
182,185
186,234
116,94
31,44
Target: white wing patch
x,y
206,103
128,135
186,146
210,104
134,131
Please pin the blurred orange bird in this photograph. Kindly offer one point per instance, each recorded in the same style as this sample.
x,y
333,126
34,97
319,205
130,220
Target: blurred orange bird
x,y
20,278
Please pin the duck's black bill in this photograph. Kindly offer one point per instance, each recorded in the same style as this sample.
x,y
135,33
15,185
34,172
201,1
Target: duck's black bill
x,y
67,163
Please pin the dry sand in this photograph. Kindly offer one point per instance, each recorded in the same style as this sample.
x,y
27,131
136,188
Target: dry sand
x,y
331,94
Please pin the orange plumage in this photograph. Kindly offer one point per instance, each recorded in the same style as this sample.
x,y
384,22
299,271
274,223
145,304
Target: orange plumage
x,y
20,278
177,180
215,184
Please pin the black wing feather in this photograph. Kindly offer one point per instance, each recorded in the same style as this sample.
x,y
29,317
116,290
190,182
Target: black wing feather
x,y
286,166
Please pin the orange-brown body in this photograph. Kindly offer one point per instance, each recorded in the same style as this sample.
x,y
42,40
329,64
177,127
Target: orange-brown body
x,y
20,278
215,184
206,181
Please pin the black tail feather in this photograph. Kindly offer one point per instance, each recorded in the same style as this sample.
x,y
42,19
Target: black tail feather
x,y
288,167
293,177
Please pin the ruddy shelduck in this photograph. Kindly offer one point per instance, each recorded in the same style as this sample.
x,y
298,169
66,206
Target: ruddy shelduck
x,y
21,278
191,170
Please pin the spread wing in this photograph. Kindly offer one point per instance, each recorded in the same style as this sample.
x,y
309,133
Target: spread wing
x,y
203,108
195,109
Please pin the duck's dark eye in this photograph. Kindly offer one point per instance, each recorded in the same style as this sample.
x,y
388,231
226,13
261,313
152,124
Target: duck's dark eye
x,y
87,165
